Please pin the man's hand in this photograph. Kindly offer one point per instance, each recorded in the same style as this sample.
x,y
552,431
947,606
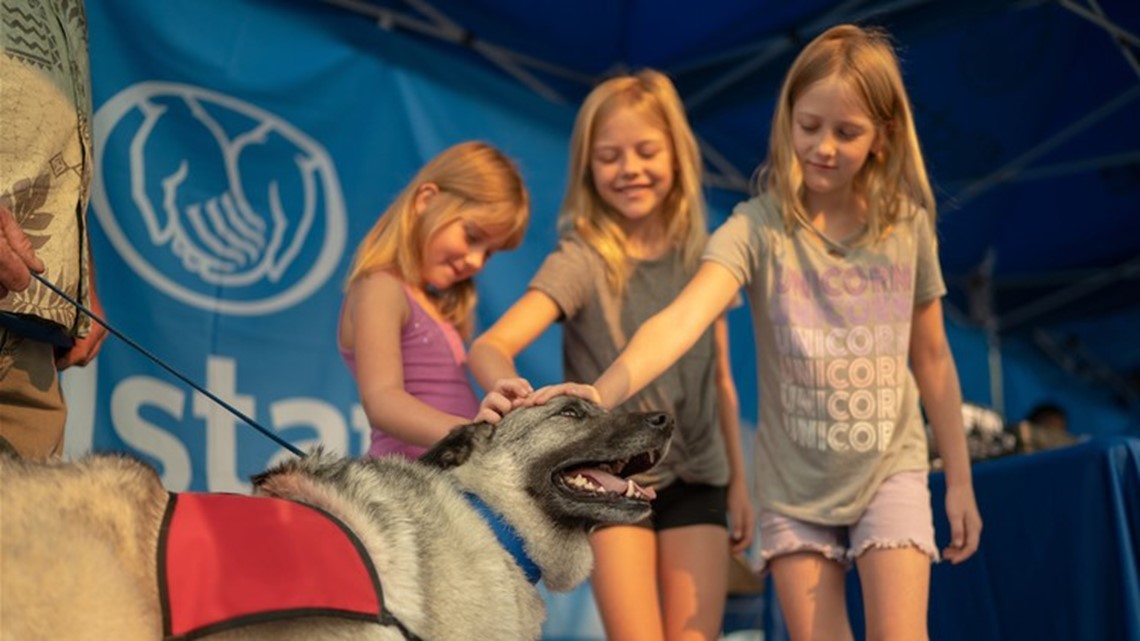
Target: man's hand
x,y
17,260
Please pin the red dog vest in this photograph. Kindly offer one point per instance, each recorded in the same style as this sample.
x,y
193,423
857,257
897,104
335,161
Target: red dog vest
x,y
227,560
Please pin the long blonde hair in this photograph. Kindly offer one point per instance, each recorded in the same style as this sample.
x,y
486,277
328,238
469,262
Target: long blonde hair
x,y
468,175
652,95
893,180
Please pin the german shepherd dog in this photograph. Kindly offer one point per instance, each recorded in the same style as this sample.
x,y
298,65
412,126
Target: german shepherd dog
x,y
452,543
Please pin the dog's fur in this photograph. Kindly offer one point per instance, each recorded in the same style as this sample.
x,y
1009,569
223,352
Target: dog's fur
x,y
78,540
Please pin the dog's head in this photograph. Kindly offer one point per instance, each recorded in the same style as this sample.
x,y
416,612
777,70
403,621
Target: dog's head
x,y
569,457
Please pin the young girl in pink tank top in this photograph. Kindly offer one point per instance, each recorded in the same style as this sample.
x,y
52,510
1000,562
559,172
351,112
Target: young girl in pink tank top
x,y
410,296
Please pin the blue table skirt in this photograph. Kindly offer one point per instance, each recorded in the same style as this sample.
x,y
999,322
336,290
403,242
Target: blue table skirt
x,y
1060,552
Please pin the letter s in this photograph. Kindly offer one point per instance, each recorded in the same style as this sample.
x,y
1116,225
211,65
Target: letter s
x,y
127,399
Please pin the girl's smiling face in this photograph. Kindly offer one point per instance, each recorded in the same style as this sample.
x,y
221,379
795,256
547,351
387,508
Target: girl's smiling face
x,y
631,162
832,136
457,251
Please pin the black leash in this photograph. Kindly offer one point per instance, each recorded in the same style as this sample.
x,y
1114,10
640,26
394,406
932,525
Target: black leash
x,y
252,423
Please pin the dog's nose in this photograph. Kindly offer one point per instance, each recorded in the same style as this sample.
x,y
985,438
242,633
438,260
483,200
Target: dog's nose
x,y
659,421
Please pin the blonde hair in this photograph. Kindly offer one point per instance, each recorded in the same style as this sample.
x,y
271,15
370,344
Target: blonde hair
x,y
893,179
468,175
652,95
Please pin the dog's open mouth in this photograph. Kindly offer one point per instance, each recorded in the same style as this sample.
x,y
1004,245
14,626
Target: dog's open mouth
x,y
609,480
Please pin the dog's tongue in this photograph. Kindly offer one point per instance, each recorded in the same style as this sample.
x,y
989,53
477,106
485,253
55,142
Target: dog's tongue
x,y
616,484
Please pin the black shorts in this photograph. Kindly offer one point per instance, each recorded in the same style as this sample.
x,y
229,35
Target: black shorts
x,y
681,504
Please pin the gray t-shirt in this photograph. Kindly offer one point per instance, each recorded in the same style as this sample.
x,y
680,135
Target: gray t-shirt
x,y
841,410
596,327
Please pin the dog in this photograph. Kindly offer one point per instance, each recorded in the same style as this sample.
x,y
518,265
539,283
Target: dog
x,y
453,540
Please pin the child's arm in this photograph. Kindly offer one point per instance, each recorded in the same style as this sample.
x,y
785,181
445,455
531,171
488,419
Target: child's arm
x,y
662,340
491,357
377,309
937,379
728,411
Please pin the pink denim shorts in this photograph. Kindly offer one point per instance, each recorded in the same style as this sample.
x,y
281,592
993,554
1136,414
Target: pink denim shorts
x,y
899,516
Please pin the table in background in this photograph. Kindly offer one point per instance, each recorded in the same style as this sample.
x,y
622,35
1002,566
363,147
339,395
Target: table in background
x,y
1060,553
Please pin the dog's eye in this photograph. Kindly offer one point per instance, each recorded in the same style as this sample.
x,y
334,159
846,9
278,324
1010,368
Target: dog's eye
x,y
571,412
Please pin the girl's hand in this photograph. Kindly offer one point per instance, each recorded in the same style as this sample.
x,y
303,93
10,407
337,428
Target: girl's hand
x,y
507,394
741,518
581,390
965,523
514,389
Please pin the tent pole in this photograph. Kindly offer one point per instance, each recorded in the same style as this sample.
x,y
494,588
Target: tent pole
x,y
997,387
1067,296
726,175
1125,159
441,27
981,302
1008,171
769,53
1098,18
1120,37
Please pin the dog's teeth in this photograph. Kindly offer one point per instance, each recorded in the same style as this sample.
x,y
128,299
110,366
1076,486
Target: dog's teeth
x,y
584,483
631,489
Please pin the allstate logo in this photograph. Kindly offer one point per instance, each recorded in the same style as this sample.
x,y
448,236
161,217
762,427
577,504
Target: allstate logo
x,y
218,203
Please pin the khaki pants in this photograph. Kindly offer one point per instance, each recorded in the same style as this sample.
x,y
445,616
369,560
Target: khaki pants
x,y
32,410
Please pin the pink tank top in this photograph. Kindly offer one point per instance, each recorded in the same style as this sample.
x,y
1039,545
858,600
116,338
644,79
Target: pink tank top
x,y
435,372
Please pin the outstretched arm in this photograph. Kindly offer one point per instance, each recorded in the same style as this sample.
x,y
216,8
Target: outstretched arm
x,y
492,355
662,340
937,378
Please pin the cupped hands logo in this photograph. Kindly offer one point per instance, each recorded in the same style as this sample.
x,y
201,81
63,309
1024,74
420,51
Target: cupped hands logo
x,y
218,203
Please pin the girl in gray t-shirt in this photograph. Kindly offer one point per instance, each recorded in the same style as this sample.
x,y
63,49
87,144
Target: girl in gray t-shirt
x,y
839,260
634,226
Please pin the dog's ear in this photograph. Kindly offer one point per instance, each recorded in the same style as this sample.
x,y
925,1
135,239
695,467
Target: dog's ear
x,y
455,448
